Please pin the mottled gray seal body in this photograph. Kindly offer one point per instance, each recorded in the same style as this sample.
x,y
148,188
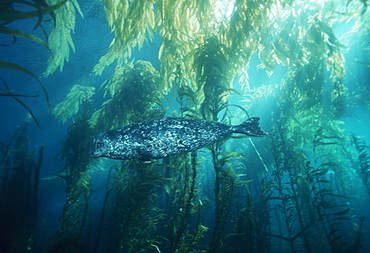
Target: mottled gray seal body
x,y
158,138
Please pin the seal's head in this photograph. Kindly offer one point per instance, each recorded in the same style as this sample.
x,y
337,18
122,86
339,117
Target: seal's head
x,y
113,144
101,146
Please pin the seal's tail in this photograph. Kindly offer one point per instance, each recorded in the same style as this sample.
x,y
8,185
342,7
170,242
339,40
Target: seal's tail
x,y
250,127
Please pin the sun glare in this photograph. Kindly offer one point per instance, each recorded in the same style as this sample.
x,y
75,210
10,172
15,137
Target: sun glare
x,y
223,9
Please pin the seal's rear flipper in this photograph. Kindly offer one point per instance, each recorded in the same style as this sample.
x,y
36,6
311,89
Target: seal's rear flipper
x,y
250,127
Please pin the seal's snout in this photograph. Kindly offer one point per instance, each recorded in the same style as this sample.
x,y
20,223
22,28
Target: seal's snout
x,y
91,153
95,153
93,150
98,148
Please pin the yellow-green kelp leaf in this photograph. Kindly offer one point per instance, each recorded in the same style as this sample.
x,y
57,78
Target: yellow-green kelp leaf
x,y
135,89
60,40
132,23
71,104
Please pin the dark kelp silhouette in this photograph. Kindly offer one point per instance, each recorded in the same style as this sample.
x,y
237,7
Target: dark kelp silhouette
x,y
12,11
19,192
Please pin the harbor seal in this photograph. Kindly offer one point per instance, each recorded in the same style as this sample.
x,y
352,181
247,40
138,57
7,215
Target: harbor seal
x,y
161,137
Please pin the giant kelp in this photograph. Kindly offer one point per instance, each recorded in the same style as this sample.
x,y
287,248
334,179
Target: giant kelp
x,y
11,12
360,34
308,144
131,22
364,161
8,93
214,83
131,216
305,201
60,40
70,106
19,192
183,211
134,90
212,77
299,200
76,175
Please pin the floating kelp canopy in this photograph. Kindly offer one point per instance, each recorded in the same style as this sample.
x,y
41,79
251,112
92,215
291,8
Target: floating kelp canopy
x,y
293,34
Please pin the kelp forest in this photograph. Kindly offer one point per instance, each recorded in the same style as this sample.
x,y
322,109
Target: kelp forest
x,y
302,67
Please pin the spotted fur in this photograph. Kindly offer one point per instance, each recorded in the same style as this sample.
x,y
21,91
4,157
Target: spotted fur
x,y
158,138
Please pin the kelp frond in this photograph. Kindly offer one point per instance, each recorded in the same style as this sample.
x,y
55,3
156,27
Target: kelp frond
x,y
10,14
76,175
364,161
21,34
15,97
133,217
135,91
131,22
13,66
71,104
60,40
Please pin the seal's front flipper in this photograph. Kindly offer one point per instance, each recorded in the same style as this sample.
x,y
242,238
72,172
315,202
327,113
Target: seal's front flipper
x,y
145,158
250,127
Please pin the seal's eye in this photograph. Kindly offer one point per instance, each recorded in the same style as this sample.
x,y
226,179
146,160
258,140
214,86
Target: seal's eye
x,y
100,144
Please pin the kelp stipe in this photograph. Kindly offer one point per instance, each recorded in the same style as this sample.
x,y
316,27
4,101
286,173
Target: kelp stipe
x,y
225,184
251,224
206,99
105,207
19,184
184,211
364,161
186,206
325,212
287,208
131,215
212,75
75,173
305,201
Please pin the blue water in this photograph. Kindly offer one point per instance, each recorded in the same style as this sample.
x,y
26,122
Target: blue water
x,y
92,38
